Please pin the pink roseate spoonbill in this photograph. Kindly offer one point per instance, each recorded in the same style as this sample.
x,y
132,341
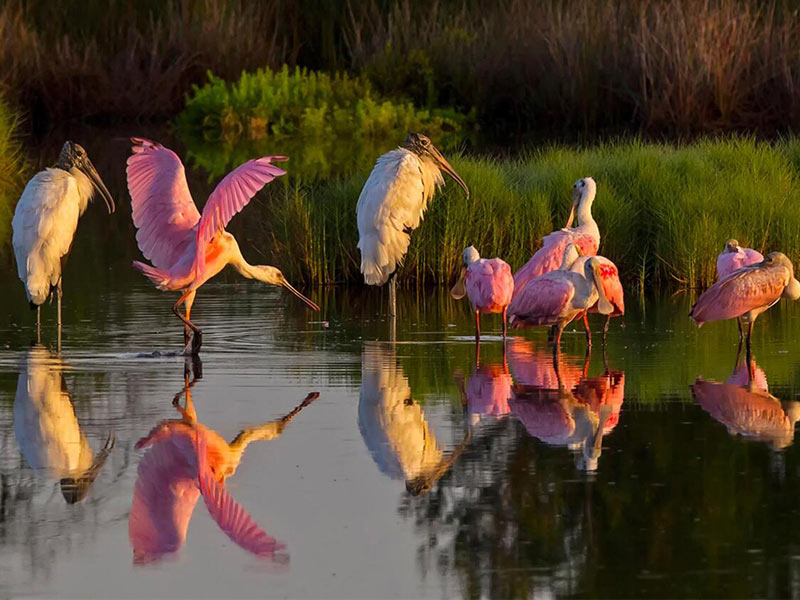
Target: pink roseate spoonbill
x,y
47,429
534,366
612,287
392,204
744,405
732,258
487,283
187,249
560,296
394,427
586,235
487,391
185,460
45,221
748,292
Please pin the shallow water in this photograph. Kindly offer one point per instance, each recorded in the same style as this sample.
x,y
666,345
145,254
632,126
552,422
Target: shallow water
x,y
416,473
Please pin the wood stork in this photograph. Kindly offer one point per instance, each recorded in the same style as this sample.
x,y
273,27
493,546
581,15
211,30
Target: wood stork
x,y
392,204
45,220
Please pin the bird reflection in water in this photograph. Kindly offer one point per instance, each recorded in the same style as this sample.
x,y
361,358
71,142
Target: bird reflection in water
x,y
186,460
488,389
744,405
394,427
559,405
47,428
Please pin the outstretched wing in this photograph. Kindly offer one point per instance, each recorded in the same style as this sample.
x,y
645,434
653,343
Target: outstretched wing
x,y
232,194
163,210
237,524
748,288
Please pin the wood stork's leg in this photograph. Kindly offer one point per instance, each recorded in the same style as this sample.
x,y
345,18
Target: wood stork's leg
x,y
197,337
392,296
588,331
477,326
269,430
505,325
39,324
58,296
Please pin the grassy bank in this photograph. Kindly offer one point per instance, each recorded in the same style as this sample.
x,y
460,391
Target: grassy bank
x,y
664,211
13,169
556,67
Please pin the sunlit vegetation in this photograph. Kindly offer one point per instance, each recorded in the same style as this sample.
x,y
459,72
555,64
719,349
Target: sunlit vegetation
x,y
563,68
13,169
324,121
664,211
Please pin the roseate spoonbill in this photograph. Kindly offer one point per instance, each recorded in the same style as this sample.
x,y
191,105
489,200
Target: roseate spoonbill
x,y
744,405
488,389
186,460
45,221
747,292
391,206
47,429
558,297
586,235
487,283
734,257
188,249
394,427
612,287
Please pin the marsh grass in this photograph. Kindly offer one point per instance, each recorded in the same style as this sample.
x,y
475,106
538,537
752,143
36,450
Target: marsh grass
x,y
664,211
13,169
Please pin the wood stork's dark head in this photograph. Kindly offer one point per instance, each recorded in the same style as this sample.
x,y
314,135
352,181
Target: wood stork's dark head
x,y
422,146
73,156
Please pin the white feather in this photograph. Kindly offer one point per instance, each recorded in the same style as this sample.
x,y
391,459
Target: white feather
x,y
393,199
44,225
45,424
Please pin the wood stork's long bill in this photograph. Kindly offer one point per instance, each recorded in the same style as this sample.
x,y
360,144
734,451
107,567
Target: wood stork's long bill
x,y
422,146
73,156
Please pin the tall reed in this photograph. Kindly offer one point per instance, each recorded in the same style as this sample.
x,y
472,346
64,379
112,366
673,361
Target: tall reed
x,y
664,211
13,170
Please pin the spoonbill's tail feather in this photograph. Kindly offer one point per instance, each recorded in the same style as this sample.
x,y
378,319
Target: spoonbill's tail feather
x,y
158,276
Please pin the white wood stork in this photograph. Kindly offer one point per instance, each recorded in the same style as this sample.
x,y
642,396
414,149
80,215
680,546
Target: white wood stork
x,y
391,206
45,221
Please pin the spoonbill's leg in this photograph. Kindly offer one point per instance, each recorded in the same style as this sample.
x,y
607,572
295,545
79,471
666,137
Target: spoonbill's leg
x,y
557,341
605,329
188,413
187,332
269,430
588,331
477,326
750,322
197,337
505,324
741,331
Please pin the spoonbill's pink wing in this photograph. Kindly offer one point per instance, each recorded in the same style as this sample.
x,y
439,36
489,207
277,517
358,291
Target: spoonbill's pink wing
x,y
163,210
232,194
488,390
542,301
551,254
743,290
741,377
542,414
489,284
728,262
750,413
237,524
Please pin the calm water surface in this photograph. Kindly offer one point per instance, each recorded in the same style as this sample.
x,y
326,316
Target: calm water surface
x,y
421,470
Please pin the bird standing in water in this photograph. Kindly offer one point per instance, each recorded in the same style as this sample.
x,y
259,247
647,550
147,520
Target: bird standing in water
x,y
747,292
732,258
392,204
45,221
188,249
586,236
487,283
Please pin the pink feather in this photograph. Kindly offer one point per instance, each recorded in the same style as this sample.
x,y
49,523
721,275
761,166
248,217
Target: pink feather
x,y
728,262
237,524
551,254
489,284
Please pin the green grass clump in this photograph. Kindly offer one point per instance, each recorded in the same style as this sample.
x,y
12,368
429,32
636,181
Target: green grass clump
x,y
13,168
295,110
664,211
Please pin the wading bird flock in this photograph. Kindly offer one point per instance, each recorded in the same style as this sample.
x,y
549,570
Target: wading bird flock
x,y
563,281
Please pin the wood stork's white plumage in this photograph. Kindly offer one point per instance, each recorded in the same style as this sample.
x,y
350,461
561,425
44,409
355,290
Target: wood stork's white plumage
x,y
392,204
394,427
45,220
47,429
